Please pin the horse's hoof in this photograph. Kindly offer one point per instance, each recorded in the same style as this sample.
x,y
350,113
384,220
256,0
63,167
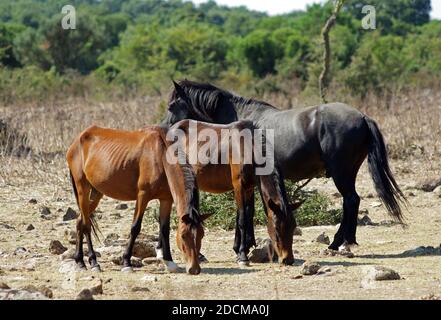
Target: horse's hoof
x,y
97,269
127,270
159,254
202,258
171,266
80,267
346,247
244,264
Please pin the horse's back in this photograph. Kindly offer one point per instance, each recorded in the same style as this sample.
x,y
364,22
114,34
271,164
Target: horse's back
x,y
118,162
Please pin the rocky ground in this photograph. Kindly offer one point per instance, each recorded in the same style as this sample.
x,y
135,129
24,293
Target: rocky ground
x,y
391,262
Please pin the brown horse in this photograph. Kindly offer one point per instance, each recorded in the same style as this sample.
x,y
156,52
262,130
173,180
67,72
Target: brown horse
x,y
223,172
129,166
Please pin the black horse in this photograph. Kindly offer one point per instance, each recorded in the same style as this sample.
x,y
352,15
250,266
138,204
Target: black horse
x,y
331,140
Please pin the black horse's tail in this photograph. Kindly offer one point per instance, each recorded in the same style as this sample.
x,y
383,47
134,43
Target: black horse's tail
x,y
384,181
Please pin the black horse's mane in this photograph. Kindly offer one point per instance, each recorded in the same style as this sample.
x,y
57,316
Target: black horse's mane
x,y
206,98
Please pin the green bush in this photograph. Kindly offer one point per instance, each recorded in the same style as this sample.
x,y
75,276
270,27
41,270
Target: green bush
x,y
313,212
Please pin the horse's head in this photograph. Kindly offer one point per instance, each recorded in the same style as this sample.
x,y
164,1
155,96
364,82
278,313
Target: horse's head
x,y
200,102
189,239
178,106
281,221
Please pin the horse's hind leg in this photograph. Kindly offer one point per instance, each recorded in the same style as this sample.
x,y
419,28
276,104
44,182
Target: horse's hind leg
x,y
141,204
351,202
86,206
88,200
94,199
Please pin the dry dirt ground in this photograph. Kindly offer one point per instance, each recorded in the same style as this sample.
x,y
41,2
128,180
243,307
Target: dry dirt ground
x,y
221,278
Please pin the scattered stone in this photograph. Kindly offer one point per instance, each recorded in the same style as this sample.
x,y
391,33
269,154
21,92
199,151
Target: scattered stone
x,y
148,237
111,239
310,268
150,261
117,259
363,212
122,206
71,214
299,276
437,191
149,278
333,253
6,226
4,286
41,289
379,273
20,250
68,254
428,185
85,294
33,201
324,271
263,252
97,288
70,236
323,239
376,204
144,249
410,194
298,231
55,247
11,294
140,289
431,297
30,227
136,262
422,251
67,267
365,221
45,211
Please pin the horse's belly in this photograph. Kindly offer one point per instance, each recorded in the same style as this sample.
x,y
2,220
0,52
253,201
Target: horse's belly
x,y
301,164
120,184
214,179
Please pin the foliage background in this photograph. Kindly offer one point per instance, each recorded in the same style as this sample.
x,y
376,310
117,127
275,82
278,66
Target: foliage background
x,y
135,47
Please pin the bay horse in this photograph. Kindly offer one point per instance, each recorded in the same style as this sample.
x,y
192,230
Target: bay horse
x,y
330,140
132,166
223,173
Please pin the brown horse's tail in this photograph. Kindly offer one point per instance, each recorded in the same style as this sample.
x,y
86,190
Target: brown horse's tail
x,y
95,228
384,181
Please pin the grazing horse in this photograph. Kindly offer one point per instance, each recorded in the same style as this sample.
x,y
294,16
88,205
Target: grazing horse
x,y
331,140
224,173
129,166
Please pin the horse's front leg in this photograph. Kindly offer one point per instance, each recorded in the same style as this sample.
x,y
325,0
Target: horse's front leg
x,y
163,251
141,204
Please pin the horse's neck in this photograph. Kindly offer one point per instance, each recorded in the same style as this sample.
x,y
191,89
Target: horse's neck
x,y
253,111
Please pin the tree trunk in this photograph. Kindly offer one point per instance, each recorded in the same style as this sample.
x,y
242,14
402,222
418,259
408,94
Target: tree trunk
x,y
324,79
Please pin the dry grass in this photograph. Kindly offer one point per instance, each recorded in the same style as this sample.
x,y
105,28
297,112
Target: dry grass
x,y
412,127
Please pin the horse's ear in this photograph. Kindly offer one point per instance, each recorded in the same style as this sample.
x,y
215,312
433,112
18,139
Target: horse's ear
x,y
273,206
179,90
205,216
294,206
187,219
